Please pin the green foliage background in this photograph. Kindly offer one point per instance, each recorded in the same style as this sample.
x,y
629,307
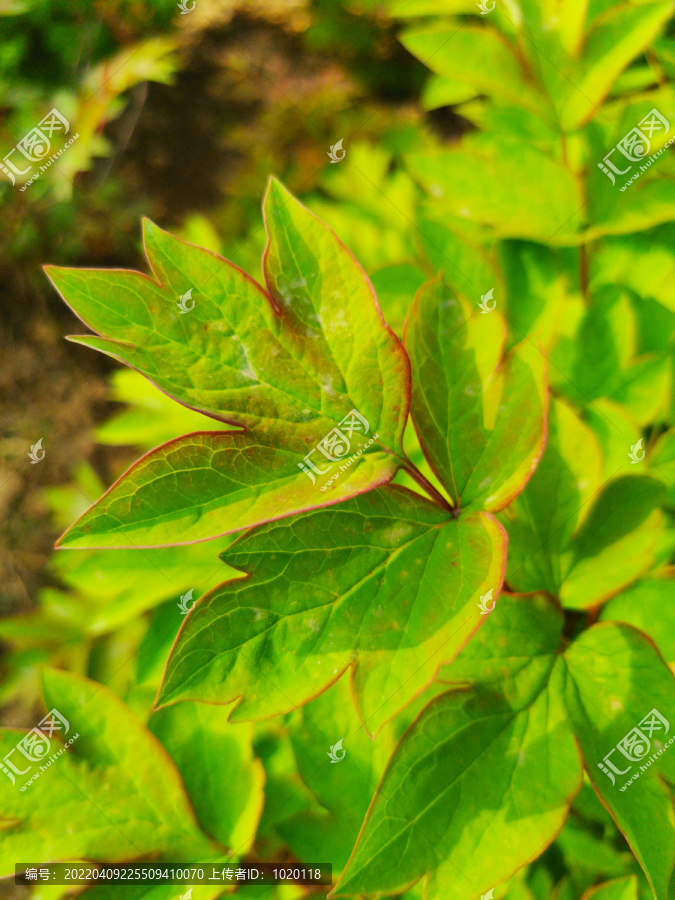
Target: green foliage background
x,y
472,149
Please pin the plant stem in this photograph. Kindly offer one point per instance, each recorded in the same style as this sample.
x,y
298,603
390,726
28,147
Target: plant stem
x,y
426,486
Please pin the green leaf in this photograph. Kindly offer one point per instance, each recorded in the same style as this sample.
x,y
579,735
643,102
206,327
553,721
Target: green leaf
x,y
615,429
481,419
616,679
210,483
120,585
343,790
117,793
607,361
619,889
573,538
466,266
386,584
475,56
396,287
330,311
216,762
152,417
498,760
615,38
483,180
642,262
647,606
288,366
583,850
536,295
441,91
616,543
663,464
543,518
132,891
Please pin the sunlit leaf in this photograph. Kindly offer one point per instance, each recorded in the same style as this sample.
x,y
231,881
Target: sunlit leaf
x,y
606,702
481,418
497,760
387,584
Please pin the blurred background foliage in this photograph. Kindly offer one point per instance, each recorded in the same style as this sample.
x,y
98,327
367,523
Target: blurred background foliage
x,y
472,143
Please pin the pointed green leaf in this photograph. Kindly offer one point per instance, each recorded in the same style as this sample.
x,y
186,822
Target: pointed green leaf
x,y
117,793
386,584
476,56
647,606
617,680
331,318
482,780
342,789
151,417
482,181
541,521
481,418
213,483
618,889
572,536
617,36
464,264
617,542
288,366
216,762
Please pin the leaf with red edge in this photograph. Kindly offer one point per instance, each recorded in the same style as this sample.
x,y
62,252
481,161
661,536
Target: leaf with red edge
x,y
288,364
386,583
480,416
